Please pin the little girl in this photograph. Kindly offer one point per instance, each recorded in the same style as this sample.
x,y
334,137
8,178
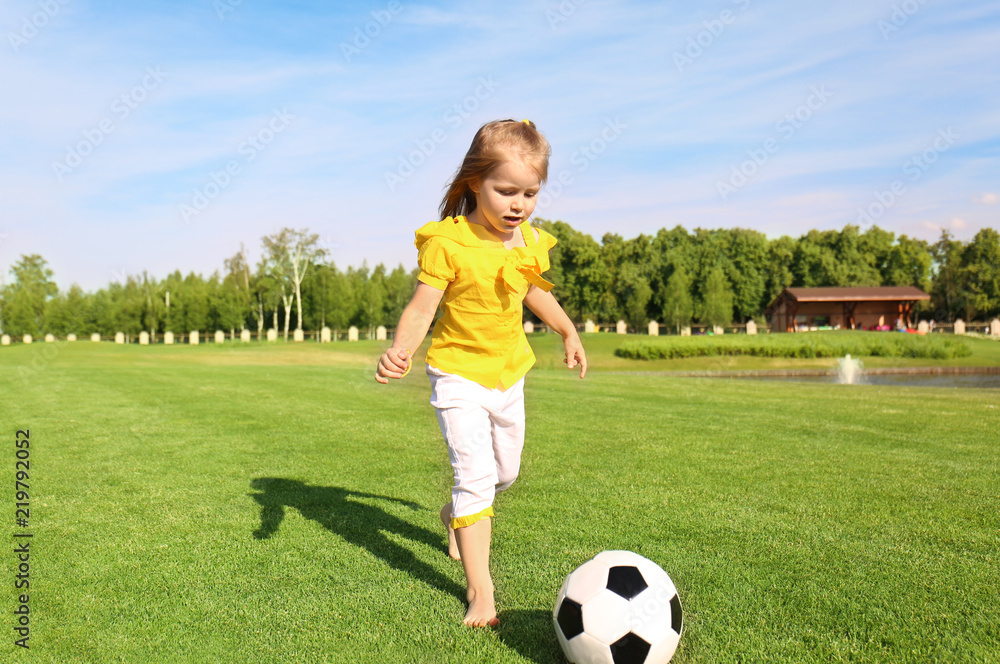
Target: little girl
x,y
483,259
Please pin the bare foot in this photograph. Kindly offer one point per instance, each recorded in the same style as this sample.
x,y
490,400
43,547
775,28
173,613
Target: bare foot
x,y
482,611
452,542
474,543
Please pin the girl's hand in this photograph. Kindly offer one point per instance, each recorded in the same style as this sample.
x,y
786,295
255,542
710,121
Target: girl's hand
x,y
394,363
575,354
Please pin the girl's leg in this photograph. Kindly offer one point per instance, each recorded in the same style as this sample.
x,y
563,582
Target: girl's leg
x,y
452,542
474,545
463,409
508,435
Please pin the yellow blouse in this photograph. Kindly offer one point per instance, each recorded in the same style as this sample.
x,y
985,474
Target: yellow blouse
x,y
480,336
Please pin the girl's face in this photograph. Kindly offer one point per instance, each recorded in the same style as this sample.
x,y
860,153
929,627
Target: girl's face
x,y
506,197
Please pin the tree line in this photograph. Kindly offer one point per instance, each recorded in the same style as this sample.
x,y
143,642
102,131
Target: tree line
x,y
719,276
677,277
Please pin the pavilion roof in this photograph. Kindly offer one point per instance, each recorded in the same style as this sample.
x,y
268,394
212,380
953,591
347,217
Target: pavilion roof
x,y
856,294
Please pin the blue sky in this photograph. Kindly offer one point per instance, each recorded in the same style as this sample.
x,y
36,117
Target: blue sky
x,y
161,135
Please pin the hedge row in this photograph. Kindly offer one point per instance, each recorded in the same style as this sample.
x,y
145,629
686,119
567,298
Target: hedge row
x,y
808,345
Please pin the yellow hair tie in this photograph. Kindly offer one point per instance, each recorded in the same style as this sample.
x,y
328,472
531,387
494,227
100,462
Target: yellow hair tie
x,y
527,122
410,353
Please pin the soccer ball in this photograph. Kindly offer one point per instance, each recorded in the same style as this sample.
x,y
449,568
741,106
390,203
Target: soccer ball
x,y
618,608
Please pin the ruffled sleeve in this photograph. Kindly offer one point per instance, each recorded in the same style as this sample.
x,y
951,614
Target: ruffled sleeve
x,y
545,242
434,256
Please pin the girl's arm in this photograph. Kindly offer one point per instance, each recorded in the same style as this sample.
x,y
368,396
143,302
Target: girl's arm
x,y
544,305
413,325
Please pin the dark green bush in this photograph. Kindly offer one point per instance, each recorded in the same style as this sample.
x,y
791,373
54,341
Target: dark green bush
x,y
804,345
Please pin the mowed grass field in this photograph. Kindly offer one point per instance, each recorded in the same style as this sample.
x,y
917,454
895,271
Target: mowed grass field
x,y
273,503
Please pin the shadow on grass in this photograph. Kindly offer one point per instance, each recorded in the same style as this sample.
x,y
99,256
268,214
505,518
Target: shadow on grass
x,y
360,524
531,635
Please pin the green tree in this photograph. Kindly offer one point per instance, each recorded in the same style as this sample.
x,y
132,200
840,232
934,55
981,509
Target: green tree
x,y
578,271
278,267
674,242
26,296
678,305
612,255
399,288
340,291
633,294
814,261
127,302
192,304
947,290
673,251
230,303
168,295
908,264
267,294
20,316
66,312
99,314
304,252
316,294
372,300
748,256
108,309
863,257
239,290
153,304
717,300
980,275
634,291
778,271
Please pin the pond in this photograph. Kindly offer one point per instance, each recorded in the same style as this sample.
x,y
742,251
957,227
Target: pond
x,y
973,380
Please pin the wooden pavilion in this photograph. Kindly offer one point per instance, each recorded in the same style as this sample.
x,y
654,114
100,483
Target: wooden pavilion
x,y
856,308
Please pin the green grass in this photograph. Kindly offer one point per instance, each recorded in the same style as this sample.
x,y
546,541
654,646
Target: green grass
x,y
273,503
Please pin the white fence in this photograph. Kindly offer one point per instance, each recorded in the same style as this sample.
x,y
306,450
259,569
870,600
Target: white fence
x,y
381,333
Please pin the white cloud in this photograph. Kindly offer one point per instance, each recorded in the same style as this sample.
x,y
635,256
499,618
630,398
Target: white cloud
x,y
356,119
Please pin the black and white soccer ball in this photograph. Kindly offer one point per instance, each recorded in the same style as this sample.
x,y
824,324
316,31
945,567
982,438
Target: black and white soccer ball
x,y
618,608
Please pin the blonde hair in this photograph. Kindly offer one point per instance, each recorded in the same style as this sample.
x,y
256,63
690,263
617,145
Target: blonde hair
x,y
494,143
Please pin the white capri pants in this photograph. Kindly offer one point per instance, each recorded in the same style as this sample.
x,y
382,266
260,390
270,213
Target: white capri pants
x,y
484,430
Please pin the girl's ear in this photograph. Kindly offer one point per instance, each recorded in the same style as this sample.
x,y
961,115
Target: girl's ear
x,y
475,186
